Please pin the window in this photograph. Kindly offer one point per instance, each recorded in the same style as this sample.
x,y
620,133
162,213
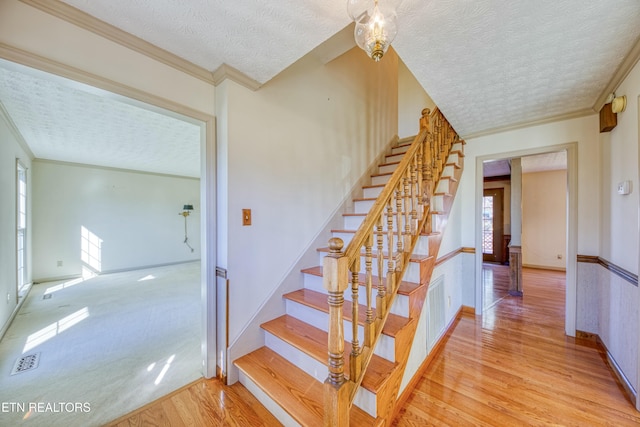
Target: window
x,y
21,214
487,224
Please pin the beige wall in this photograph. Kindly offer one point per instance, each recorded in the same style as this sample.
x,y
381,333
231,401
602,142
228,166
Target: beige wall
x,y
544,219
412,98
291,152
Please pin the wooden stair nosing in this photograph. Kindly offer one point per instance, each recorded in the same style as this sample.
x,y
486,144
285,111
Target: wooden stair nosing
x,y
381,174
318,301
365,199
313,342
298,393
405,288
373,186
390,163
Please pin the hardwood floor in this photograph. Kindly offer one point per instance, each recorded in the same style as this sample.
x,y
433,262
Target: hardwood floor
x,y
202,403
515,366
511,367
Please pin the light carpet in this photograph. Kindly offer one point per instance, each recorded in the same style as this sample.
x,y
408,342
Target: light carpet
x,y
107,345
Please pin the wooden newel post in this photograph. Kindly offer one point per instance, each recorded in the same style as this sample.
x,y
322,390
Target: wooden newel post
x,y
335,281
424,119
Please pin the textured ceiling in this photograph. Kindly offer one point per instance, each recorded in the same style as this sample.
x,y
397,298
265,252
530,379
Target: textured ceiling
x,y
487,64
491,63
66,121
535,163
259,38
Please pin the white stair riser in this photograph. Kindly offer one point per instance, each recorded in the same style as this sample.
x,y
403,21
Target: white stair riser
x,y
270,404
381,179
384,348
396,157
387,168
448,171
400,304
363,206
437,203
422,246
352,222
400,150
412,273
316,369
457,147
372,193
366,401
443,186
453,158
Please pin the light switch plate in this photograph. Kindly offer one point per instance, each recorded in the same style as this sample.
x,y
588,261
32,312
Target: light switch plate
x,y
246,216
624,187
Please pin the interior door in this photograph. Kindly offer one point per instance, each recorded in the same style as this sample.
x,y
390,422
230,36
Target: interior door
x,y
492,224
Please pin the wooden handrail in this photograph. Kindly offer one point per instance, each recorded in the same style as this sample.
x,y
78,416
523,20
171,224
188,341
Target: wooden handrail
x,y
405,205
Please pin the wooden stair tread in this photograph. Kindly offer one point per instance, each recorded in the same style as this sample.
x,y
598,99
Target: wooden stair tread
x,y
299,394
381,174
413,258
406,288
391,163
313,342
454,164
365,199
318,301
373,186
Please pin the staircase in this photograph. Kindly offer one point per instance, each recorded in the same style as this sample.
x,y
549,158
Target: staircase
x,y
397,227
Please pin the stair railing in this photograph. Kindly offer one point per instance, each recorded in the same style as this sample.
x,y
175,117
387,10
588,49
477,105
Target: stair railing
x,y
399,214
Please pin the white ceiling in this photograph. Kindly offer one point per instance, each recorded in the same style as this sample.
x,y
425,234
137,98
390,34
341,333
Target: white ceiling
x,y
529,164
487,64
67,121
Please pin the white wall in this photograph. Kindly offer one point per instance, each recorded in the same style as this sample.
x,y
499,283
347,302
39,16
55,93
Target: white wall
x,y
618,300
294,149
10,150
583,131
544,219
412,98
135,214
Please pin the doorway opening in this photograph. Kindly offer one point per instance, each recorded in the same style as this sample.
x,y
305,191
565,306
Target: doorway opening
x,y
540,184
205,197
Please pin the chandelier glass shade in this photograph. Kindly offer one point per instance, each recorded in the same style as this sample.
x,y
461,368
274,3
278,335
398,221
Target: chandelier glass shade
x,y
376,25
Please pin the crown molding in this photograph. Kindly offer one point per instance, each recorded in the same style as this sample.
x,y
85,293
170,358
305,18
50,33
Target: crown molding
x,y
621,73
15,131
521,125
84,20
228,72
38,62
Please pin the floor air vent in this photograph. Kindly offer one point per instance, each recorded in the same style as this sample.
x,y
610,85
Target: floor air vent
x,y
47,296
26,363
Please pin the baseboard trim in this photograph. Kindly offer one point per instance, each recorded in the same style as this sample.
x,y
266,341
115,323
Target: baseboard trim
x,y
120,270
21,301
435,351
621,377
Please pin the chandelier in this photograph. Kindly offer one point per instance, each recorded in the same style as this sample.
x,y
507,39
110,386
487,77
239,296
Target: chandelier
x,y
376,25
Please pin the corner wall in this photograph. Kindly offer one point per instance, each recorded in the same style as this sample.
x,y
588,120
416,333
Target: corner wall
x,y
10,150
136,216
293,151
615,301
